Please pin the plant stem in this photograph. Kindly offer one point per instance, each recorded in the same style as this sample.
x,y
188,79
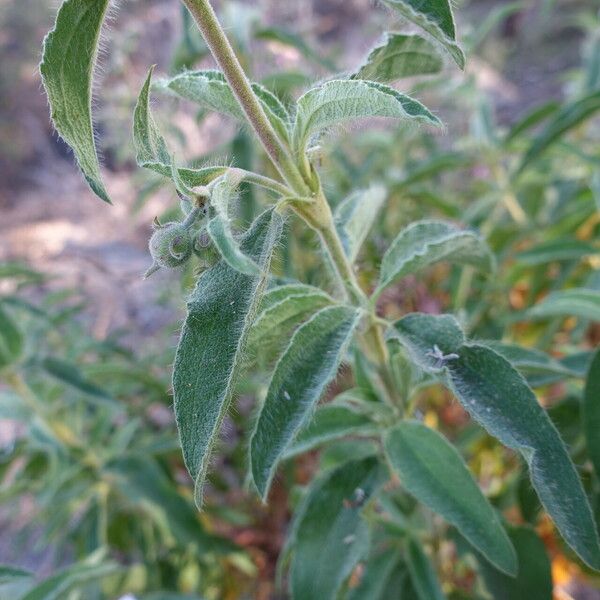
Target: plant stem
x,y
262,181
221,49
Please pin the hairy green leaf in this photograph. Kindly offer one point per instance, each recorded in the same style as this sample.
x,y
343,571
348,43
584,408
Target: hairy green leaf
x,y
210,90
398,56
220,232
330,535
432,470
309,363
329,423
151,149
576,302
281,311
498,397
220,312
591,411
339,101
11,339
569,117
68,61
355,216
425,243
422,574
434,17
534,579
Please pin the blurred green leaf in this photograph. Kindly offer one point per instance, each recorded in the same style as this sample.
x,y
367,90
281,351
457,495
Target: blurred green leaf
x,y
422,574
68,61
534,579
555,250
576,302
11,339
591,411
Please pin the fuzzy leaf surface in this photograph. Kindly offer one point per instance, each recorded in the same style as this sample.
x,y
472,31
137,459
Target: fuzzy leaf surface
x,y
68,61
340,101
330,535
398,56
210,90
425,243
355,215
435,18
151,151
220,312
433,471
309,363
498,397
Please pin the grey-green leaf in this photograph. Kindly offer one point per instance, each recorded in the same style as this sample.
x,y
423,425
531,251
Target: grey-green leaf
x,y
591,411
534,580
281,311
339,101
330,423
432,470
151,149
435,18
331,536
422,574
355,215
68,61
498,397
309,363
219,229
425,243
210,90
400,55
576,302
220,312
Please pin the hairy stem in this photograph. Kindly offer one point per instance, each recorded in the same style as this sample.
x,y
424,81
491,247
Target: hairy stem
x,y
221,49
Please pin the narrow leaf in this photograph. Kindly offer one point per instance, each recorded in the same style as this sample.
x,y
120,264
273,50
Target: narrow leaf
x,y
576,302
331,536
151,149
69,373
68,61
591,412
422,574
11,339
434,17
383,576
432,470
220,232
330,423
425,243
556,250
220,312
569,117
339,101
307,366
534,579
398,56
210,90
498,397
355,216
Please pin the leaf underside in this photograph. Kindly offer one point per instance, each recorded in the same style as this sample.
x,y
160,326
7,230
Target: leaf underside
x,y
68,61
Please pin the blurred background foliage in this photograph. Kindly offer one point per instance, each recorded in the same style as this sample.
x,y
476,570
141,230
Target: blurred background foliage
x,y
94,499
